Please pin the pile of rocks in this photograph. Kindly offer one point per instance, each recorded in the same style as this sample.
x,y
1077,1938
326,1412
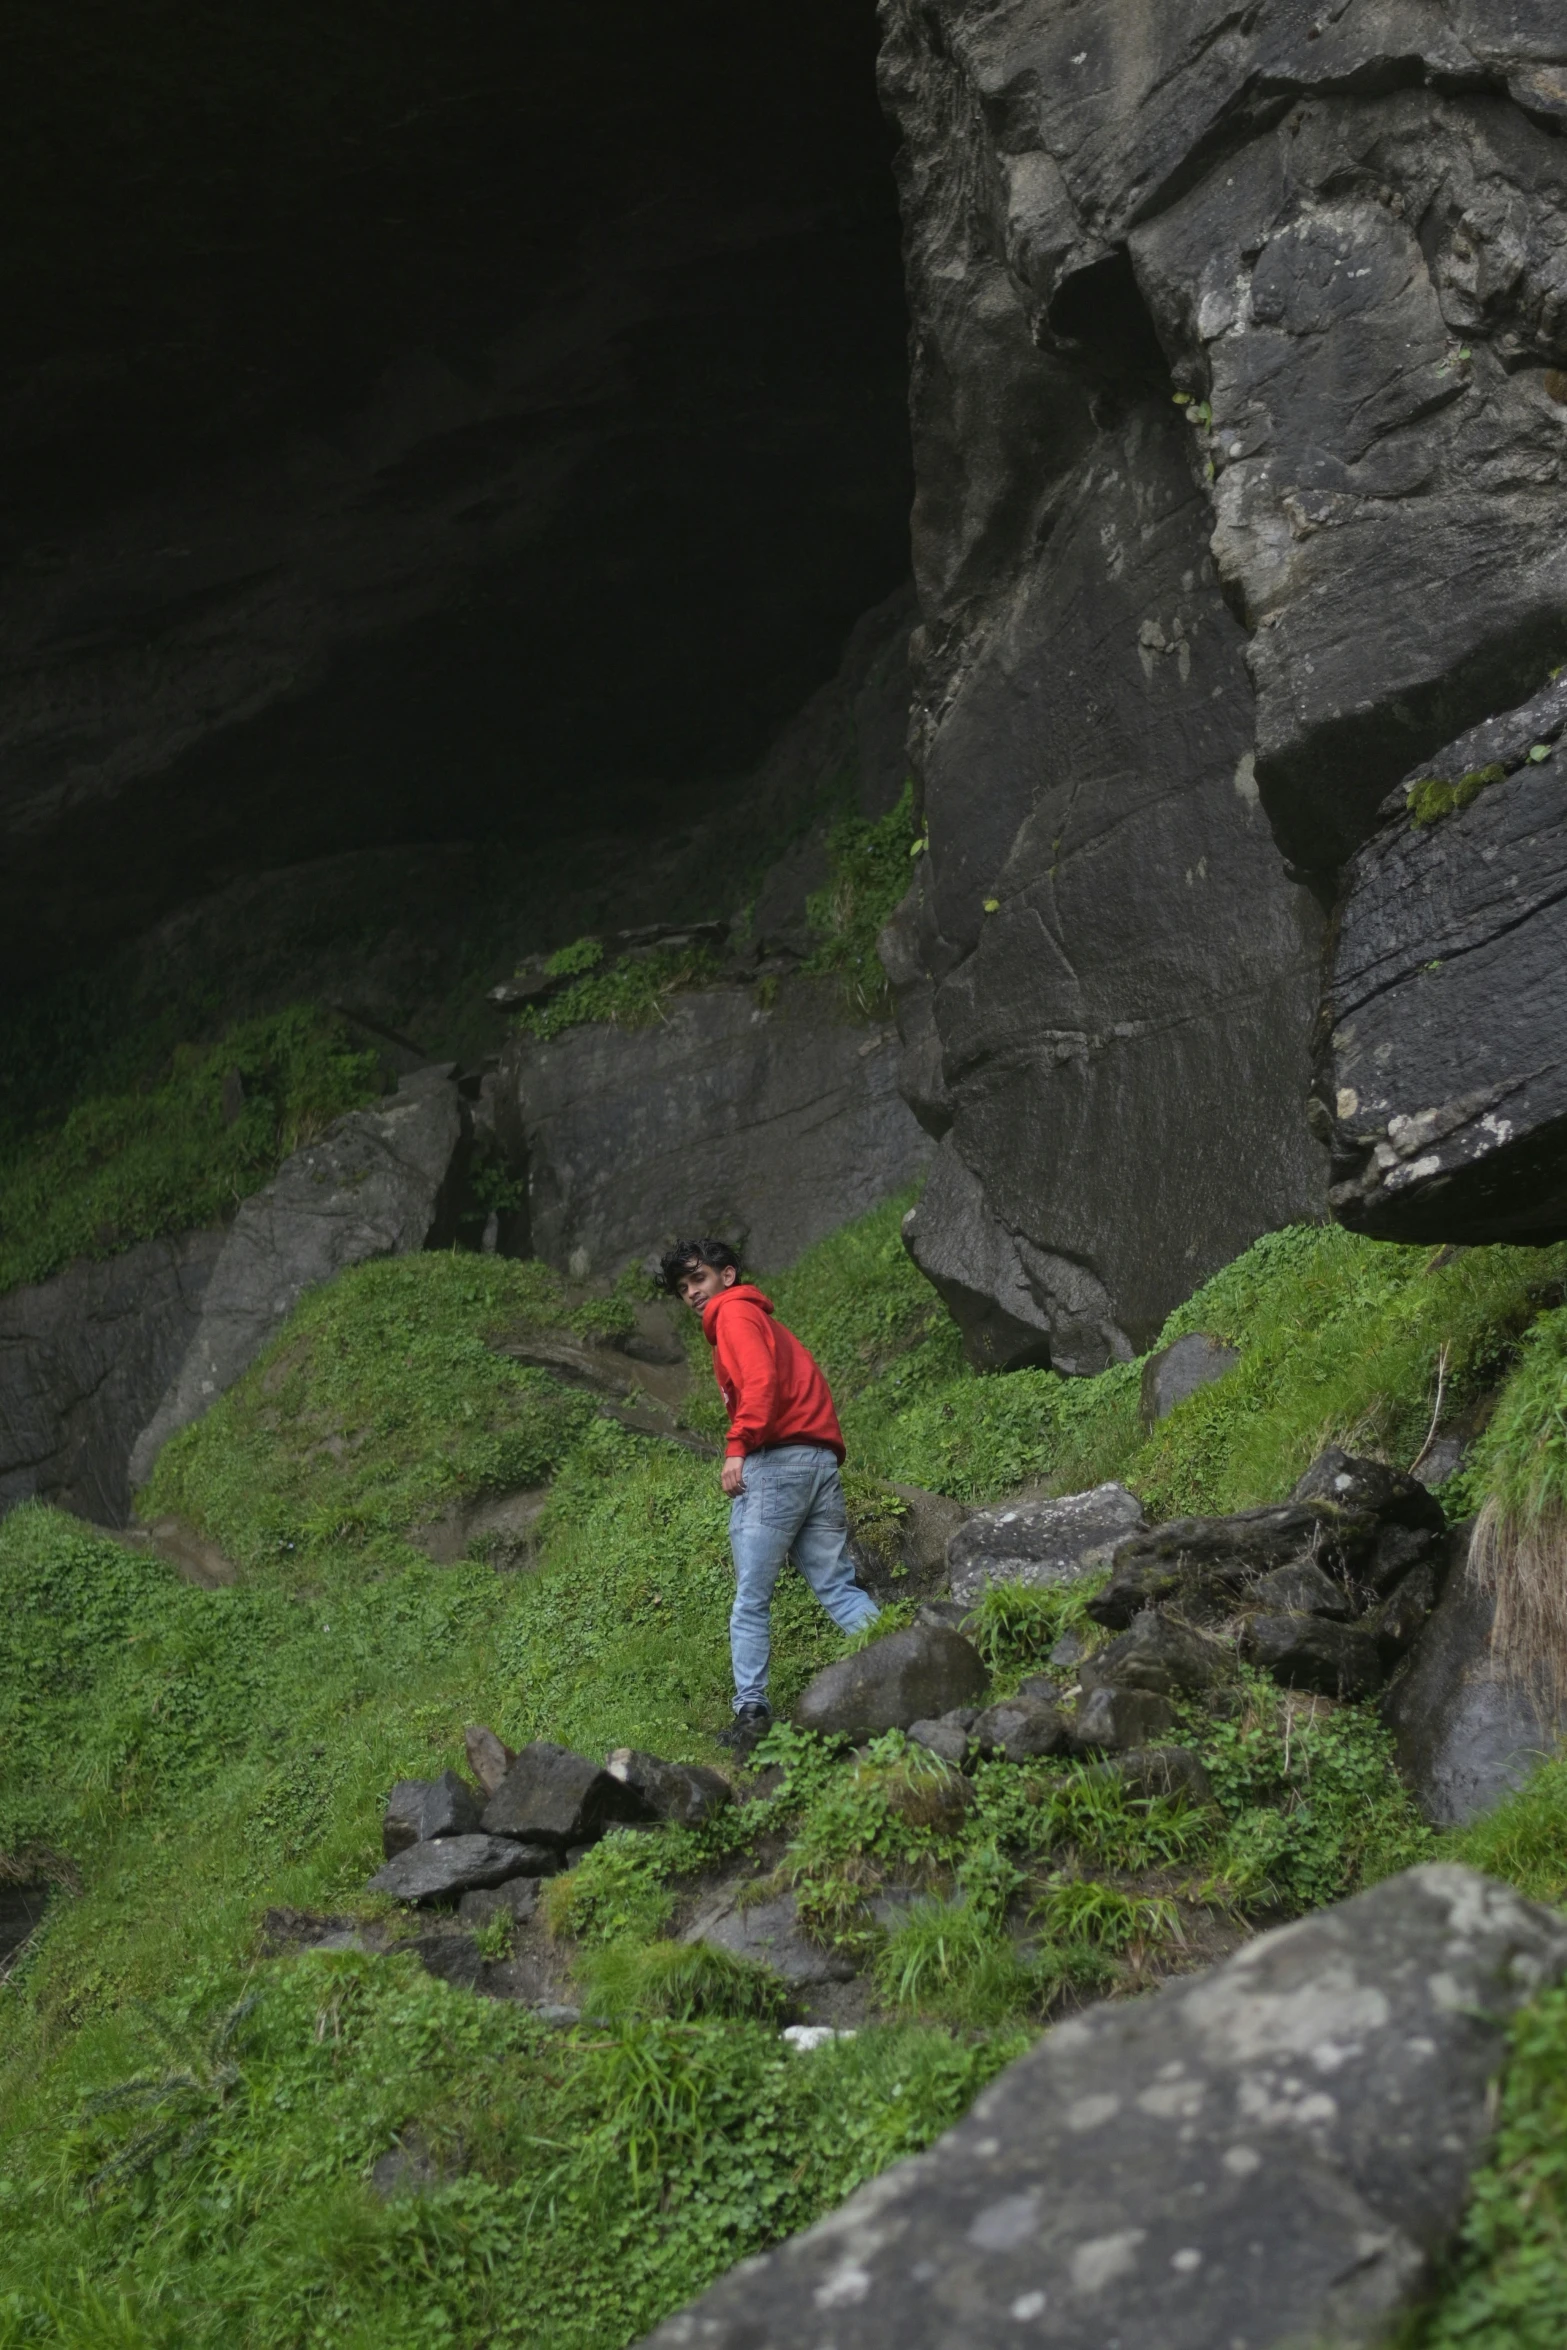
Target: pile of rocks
x,y
530,1815
1326,1592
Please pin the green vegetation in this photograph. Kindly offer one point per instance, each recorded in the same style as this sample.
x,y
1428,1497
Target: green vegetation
x,y
1341,1340
189,2124
1433,797
385,1403
630,992
867,874
168,1157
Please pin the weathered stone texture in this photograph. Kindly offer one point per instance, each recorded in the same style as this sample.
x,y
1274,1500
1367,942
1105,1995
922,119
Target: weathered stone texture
x,y
1275,2153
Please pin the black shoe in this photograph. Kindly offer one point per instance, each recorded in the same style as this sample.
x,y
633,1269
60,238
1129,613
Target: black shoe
x,y
746,1732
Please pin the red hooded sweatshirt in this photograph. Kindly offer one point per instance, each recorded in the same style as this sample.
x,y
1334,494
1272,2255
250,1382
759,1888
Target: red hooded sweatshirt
x,y
774,1392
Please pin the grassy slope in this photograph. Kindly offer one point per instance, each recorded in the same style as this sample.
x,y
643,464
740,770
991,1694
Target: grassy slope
x,y
201,1756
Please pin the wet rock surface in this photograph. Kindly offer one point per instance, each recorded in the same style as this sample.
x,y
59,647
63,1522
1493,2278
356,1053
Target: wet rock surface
x,y
381,1182
908,1676
772,1124
1040,1542
1154,639
1275,2152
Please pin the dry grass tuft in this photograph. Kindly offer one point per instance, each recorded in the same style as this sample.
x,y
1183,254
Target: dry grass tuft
x,y
1521,1566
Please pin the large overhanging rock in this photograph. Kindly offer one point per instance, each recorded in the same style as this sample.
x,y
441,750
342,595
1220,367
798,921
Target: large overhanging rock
x,y
1273,2154
381,1182
1140,638
1442,1084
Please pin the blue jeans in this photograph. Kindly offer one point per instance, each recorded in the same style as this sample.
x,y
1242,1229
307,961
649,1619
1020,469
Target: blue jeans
x,y
791,1507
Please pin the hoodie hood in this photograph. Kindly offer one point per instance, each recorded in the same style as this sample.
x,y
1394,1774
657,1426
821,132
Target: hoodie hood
x,y
715,1305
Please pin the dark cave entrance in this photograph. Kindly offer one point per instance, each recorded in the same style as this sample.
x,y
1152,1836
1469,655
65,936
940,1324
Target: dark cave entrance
x,y
426,427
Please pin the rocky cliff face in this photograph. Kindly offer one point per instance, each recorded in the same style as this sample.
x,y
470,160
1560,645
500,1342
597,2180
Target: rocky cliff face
x,y
1239,440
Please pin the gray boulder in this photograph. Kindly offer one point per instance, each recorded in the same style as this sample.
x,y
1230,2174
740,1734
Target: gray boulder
x,y
1466,1732
1277,2152
489,1758
1399,1549
1309,1652
771,1124
769,1934
454,1864
554,1797
1040,1542
909,1676
517,1899
420,1809
1442,1081
84,1361
1020,1728
685,1793
1161,1653
379,1183
1179,1370
972,1262
1400,1622
947,1737
1115,1720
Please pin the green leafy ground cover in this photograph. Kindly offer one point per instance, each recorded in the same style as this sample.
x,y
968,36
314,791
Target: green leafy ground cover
x,y
167,1155
186,2126
867,873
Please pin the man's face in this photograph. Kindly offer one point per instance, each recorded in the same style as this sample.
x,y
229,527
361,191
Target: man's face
x,y
699,1282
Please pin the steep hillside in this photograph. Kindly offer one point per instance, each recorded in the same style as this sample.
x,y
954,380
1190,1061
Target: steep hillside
x,y
200,2106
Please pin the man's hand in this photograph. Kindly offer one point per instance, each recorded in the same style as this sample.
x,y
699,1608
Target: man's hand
x,y
732,1478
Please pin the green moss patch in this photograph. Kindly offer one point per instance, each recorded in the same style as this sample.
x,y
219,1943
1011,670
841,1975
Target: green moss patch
x,y
1434,797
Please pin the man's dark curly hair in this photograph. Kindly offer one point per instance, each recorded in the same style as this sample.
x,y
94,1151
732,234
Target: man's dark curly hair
x,y
686,1254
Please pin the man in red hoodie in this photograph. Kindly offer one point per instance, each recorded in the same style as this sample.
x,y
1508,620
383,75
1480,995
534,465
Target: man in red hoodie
x,y
780,1468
